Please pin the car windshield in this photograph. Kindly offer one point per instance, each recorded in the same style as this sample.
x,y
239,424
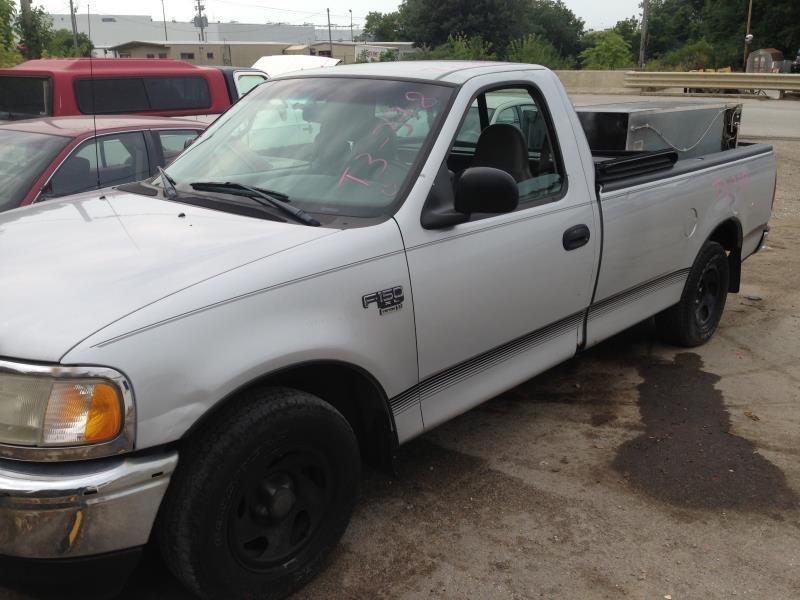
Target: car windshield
x,y
333,145
24,97
23,157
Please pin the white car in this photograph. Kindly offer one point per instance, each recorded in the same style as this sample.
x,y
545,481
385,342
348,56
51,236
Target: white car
x,y
332,269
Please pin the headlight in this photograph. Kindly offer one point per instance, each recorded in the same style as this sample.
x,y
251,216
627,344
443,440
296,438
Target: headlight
x,y
63,413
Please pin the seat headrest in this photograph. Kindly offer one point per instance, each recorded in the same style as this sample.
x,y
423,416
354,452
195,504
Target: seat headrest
x,y
502,146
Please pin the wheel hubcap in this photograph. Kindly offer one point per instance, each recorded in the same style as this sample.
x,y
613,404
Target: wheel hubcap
x,y
279,506
707,296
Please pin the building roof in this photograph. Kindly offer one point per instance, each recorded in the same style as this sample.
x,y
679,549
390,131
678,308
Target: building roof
x,y
456,72
77,126
158,44
112,29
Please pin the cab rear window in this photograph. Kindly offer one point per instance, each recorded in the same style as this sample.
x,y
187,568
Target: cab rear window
x,y
141,94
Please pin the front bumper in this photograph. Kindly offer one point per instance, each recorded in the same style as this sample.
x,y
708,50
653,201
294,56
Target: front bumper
x,y
70,510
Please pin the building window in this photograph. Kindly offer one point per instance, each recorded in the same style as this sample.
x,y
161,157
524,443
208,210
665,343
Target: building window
x,y
162,55
108,20
124,54
187,55
324,53
210,55
151,56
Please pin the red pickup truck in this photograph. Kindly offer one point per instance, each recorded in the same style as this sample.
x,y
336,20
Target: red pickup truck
x,y
109,86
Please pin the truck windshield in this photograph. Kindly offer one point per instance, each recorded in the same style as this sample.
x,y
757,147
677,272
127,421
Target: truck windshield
x,y
25,97
23,158
339,146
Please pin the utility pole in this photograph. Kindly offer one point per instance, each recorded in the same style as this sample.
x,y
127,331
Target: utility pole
x,y
199,21
164,16
643,43
748,38
351,26
25,11
74,26
330,36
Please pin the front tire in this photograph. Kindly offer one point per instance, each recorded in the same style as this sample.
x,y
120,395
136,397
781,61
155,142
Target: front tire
x,y
261,496
695,318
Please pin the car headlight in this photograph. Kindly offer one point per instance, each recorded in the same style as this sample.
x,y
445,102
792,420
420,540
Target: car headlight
x,y
64,413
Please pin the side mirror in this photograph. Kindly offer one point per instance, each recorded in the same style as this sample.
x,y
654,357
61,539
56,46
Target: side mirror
x,y
486,190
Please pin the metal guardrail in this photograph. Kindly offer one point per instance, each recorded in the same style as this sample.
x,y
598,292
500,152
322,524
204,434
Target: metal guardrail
x,y
783,82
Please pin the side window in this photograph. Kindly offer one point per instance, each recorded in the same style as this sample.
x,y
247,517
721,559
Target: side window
x,y
177,93
76,174
111,96
173,142
141,94
122,158
509,115
526,152
246,82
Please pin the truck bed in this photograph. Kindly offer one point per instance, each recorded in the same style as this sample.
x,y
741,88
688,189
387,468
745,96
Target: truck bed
x,y
649,167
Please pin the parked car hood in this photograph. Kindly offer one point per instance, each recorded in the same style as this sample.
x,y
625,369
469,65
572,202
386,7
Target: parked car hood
x,y
70,267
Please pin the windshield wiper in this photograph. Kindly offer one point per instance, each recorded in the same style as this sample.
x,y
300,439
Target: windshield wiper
x,y
274,200
168,183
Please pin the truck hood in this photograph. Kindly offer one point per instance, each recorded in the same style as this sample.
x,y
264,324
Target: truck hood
x,y
69,268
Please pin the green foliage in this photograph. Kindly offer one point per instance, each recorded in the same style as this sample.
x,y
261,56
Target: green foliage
x,y
693,56
557,24
388,56
458,47
363,56
62,45
535,49
610,51
8,12
34,33
430,23
9,58
631,31
676,24
384,27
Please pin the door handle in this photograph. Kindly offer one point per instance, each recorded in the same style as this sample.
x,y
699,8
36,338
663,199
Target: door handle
x,y
575,237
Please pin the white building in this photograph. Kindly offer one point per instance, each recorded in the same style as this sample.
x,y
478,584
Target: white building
x,y
106,31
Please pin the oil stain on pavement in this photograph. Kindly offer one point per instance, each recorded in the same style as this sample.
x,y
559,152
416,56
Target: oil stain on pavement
x,y
687,455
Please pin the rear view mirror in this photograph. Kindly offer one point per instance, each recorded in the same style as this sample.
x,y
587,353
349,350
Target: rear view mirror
x,y
486,190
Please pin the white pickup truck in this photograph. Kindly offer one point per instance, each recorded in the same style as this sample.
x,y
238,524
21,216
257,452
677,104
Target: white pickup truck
x,y
203,360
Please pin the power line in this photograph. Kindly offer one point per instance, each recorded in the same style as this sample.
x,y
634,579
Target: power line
x,y
286,10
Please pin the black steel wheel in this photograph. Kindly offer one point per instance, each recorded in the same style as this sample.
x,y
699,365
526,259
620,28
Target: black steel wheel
x,y
695,318
280,506
261,496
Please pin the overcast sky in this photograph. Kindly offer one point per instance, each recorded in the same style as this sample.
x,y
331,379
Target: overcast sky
x,y
597,14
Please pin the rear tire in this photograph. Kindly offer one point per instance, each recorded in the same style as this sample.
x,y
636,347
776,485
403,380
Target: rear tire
x,y
261,496
695,318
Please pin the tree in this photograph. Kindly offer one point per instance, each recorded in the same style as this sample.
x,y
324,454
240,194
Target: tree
x,y
383,27
535,49
431,22
693,56
62,44
557,24
35,32
8,12
610,52
9,58
457,47
631,31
